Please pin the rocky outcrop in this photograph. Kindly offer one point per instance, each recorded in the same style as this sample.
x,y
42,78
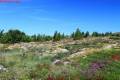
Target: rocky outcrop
x,y
2,68
57,62
60,50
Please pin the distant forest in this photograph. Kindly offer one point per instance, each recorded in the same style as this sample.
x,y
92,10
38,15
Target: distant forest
x,y
16,36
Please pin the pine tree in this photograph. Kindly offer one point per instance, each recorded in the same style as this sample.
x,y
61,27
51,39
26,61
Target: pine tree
x,y
108,34
57,36
34,38
77,35
63,36
102,34
86,34
83,34
95,34
73,35
1,33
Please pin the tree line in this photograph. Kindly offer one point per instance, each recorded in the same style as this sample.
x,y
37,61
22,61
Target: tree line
x,y
16,36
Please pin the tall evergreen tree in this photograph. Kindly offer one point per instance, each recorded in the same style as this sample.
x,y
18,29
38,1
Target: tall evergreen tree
x,y
83,34
108,34
77,35
95,34
86,34
1,33
63,36
57,36
34,37
73,35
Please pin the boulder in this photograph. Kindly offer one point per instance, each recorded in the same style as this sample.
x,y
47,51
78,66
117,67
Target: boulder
x,y
66,63
57,62
60,50
2,68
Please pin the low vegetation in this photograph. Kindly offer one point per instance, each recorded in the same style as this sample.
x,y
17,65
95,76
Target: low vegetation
x,y
101,65
80,56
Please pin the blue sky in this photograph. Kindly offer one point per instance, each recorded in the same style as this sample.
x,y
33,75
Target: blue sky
x,y
46,16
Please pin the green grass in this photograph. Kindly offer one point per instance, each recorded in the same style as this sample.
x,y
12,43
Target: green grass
x,y
36,67
111,70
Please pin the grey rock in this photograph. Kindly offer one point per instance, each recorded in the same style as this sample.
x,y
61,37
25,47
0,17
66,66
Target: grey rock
x,y
2,68
57,62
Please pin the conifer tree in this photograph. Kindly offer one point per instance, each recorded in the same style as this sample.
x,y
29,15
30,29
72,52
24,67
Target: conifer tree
x,y
83,34
34,37
57,36
95,34
86,34
77,35
73,35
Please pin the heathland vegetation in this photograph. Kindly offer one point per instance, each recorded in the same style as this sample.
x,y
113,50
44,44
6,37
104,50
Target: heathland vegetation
x,y
78,56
